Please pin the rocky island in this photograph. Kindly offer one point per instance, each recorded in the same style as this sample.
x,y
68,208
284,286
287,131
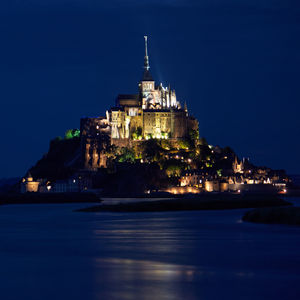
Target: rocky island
x,y
146,143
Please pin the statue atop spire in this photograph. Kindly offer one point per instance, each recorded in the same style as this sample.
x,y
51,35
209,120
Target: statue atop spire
x,y
146,76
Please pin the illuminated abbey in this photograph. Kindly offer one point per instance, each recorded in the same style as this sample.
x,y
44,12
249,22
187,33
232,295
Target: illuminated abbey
x,y
153,113
147,141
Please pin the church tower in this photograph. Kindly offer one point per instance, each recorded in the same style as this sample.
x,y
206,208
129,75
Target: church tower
x,y
147,84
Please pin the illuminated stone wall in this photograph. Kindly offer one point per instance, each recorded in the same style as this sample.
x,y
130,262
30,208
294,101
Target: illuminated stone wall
x,y
156,123
29,185
95,140
32,186
157,97
178,124
118,124
183,190
135,123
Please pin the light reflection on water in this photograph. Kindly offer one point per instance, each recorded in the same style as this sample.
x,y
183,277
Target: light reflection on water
x,y
149,270
48,250
141,279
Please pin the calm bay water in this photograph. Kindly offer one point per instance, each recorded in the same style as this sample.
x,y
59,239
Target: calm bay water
x,y
51,252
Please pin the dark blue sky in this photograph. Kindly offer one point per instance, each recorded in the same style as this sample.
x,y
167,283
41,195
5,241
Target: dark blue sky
x,y
235,63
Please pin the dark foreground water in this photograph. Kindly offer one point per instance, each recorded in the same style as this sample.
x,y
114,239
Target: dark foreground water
x,y
50,252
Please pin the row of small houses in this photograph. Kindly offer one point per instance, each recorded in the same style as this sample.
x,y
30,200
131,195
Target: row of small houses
x,y
210,181
74,184
190,182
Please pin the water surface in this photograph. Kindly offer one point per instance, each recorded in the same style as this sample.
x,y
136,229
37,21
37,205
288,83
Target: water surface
x,y
51,252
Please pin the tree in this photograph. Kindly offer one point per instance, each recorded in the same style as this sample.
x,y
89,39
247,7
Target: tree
x,y
184,144
72,133
194,137
151,150
165,144
127,155
174,168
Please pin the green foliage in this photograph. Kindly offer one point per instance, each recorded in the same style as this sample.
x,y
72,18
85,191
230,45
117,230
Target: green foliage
x,y
194,135
137,134
173,171
126,155
112,151
165,144
151,150
173,168
184,144
134,136
165,135
202,155
72,133
203,152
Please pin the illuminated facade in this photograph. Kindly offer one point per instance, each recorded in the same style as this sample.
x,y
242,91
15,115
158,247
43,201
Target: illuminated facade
x,y
95,140
154,112
238,167
236,179
29,185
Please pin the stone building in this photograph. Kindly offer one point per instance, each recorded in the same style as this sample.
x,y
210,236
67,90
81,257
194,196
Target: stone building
x,y
238,166
95,140
154,112
29,185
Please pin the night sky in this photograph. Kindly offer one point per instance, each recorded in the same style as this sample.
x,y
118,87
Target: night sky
x,y
235,62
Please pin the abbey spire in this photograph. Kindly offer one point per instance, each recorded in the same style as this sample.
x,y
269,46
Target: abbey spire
x,y
146,58
146,75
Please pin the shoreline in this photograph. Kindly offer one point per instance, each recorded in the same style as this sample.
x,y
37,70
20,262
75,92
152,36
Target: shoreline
x,y
208,202
48,198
